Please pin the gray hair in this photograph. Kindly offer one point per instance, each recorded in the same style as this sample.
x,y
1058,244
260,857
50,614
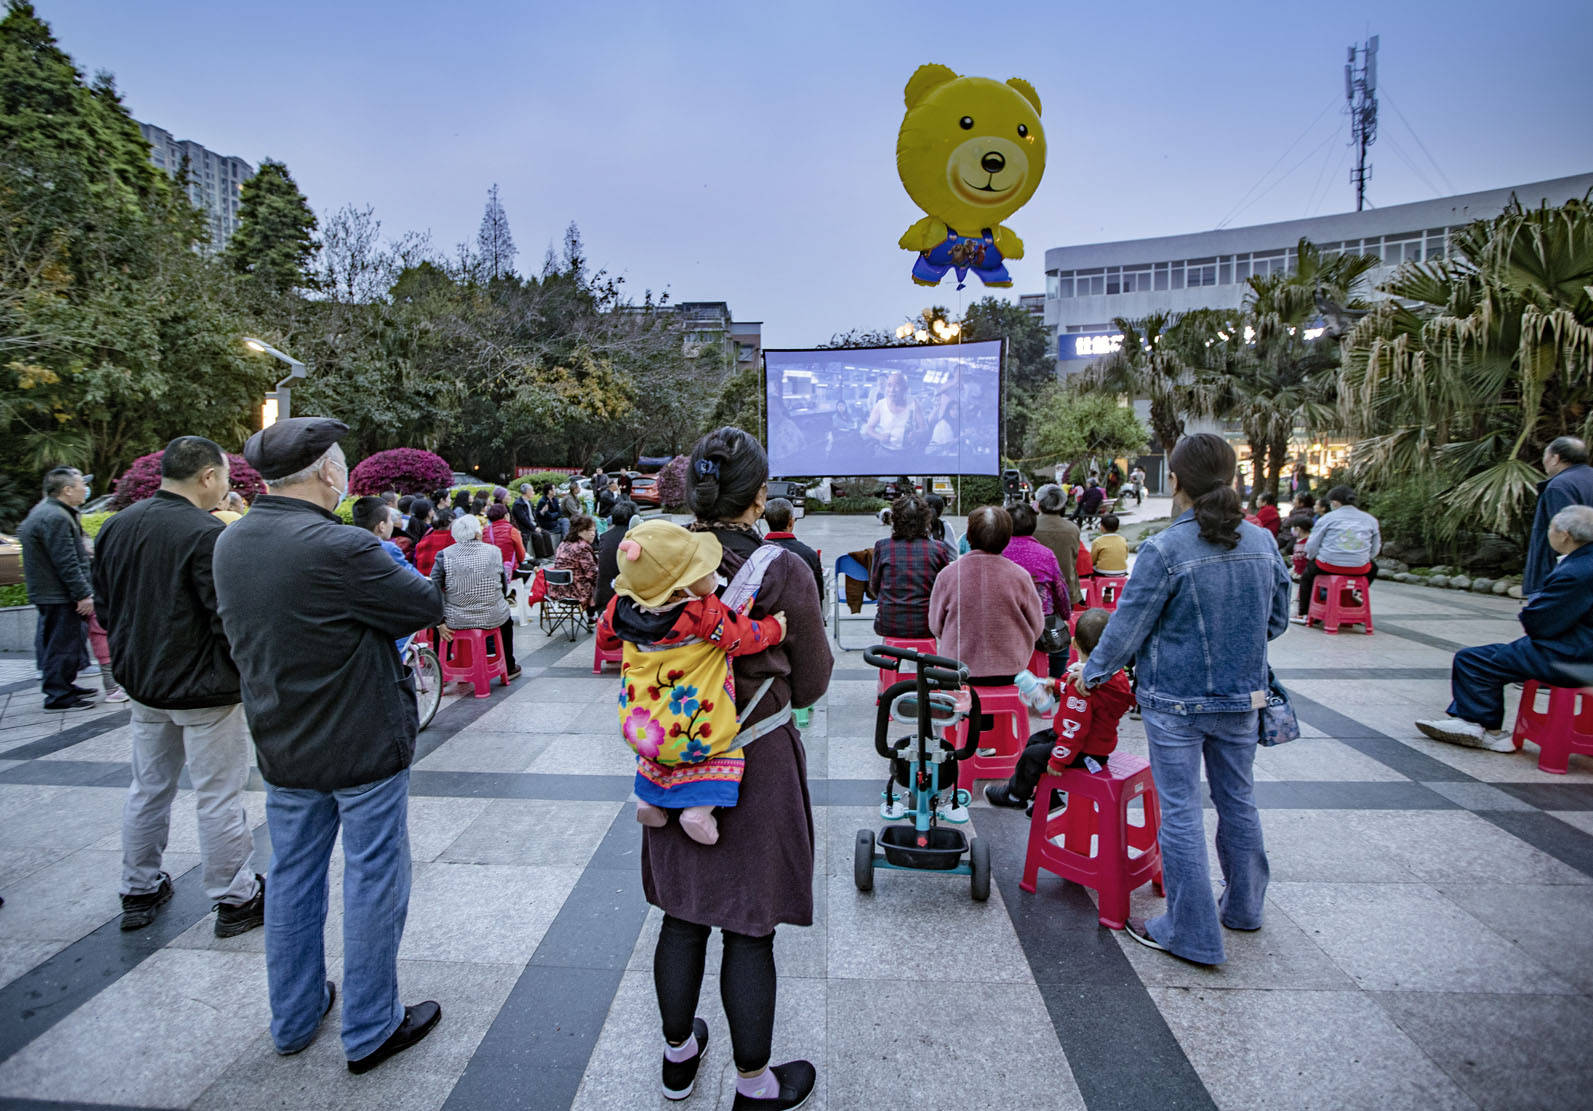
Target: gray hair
x,y
1576,521
1570,450
1050,498
465,529
303,474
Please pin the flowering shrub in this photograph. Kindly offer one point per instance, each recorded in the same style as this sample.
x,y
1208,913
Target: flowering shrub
x,y
142,479
672,484
408,470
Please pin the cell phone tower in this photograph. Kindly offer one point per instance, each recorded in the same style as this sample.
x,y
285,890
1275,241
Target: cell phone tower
x,y
1360,89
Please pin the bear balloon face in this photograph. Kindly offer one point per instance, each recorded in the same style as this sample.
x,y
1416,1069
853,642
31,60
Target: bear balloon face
x,y
971,150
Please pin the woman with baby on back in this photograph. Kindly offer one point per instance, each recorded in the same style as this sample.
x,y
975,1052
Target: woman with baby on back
x,y
758,873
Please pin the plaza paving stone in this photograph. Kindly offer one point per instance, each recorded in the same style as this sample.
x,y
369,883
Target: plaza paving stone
x,y
1425,946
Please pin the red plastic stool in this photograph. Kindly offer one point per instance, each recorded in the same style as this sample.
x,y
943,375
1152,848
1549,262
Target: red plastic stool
x,y
1010,735
600,657
474,656
1560,730
1098,807
913,644
1333,602
1104,591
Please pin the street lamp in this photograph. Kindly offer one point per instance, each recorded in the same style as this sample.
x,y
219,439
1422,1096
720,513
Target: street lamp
x,y
930,327
279,402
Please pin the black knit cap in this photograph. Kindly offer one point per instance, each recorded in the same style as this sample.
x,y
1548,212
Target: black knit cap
x,y
291,445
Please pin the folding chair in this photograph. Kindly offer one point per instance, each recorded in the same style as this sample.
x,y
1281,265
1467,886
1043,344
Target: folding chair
x,y
848,568
560,613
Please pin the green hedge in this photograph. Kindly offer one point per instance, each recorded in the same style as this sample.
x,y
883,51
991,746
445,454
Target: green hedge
x,y
846,505
540,479
16,595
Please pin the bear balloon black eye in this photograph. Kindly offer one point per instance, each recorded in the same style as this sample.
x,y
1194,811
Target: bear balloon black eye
x,y
1023,131
966,123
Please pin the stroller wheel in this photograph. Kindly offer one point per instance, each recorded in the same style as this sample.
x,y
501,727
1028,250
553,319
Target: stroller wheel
x,y
979,868
863,861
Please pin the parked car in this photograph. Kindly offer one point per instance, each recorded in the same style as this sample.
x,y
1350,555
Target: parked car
x,y
644,490
793,492
10,560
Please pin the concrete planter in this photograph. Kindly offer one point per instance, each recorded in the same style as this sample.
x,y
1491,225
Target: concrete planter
x,y
17,624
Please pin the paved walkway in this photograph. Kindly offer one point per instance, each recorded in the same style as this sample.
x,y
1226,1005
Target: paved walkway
x,y
1426,940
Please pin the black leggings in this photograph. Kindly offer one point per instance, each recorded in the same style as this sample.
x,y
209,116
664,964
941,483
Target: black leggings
x,y
746,987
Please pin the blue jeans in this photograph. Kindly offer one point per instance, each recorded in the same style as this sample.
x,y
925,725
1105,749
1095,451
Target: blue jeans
x,y
1190,926
304,823
1478,677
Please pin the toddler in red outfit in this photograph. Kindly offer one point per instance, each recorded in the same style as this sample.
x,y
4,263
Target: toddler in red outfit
x,y
1084,732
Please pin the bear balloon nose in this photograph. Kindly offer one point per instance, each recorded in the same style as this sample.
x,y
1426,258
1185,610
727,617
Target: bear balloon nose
x,y
993,163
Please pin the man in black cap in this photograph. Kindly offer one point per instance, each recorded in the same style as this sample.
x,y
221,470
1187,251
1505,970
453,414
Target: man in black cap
x,y
312,608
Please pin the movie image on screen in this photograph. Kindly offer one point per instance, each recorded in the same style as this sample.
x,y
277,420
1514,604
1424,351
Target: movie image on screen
x,y
885,410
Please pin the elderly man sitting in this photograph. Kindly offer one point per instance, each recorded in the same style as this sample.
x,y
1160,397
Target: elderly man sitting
x,y
1559,626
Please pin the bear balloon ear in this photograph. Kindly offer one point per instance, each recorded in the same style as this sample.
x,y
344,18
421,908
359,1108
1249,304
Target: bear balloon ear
x,y
925,79
1025,88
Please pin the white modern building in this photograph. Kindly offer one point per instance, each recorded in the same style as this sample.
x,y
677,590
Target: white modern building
x,y
1087,286
215,181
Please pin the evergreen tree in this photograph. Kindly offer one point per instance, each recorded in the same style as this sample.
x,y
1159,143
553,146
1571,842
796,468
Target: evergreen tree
x,y
494,245
275,241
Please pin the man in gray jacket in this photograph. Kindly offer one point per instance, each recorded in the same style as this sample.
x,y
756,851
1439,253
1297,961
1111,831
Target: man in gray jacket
x,y
55,566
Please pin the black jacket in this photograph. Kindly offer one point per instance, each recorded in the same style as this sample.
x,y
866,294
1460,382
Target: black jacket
x,y
156,596
520,514
809,556
311,607
547,512
608,564
55,563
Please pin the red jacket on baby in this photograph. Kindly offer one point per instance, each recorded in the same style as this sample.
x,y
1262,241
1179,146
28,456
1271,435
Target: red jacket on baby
x,y
1088,723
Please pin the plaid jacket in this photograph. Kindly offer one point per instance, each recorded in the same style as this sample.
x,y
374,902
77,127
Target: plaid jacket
x,y
901,577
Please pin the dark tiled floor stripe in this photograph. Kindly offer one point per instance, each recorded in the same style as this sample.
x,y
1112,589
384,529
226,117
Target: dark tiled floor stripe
x,y
1542,831
53,989
537,1049
1552,796
52,1105
66,738
1101,1010
1405,632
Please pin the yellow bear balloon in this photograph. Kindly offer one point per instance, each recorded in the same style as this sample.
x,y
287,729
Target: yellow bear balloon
x,y
971,152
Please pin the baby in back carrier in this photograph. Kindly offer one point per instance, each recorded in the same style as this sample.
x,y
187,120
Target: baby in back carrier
x,y
677,702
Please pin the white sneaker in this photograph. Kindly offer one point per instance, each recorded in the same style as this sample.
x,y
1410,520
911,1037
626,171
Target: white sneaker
x,y
1298,620
1454,731
117,695
1497,740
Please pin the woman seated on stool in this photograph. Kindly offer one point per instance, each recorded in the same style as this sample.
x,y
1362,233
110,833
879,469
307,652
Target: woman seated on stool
x,y
1344,542
469,572
984,610
577,556
904,570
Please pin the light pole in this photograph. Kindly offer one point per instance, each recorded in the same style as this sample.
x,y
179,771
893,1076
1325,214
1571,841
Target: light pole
x,y
930,326
279,402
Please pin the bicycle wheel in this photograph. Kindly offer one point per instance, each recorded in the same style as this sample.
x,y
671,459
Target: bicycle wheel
x,y
428,683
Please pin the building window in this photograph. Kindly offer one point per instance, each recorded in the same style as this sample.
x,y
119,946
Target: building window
x,y
1089,283
1225,271
1051,286
1437,243
1137,279
1064,286
1201,272
1178,275
1114,280
1241,268
1161,275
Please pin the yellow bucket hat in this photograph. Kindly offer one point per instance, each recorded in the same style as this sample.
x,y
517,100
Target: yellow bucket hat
x,y
657,558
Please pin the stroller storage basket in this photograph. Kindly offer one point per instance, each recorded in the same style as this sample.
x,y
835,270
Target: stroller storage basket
x,y
943,852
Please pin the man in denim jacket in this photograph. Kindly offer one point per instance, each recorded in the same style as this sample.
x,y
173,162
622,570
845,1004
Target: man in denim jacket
x,y
1204,598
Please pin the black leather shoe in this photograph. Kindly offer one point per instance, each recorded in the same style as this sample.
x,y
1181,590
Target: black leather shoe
x,y
418,1022
996,794
680,1077
796,1085
84,692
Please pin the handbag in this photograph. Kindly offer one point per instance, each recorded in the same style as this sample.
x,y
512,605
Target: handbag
x,y
1276,722
1054,637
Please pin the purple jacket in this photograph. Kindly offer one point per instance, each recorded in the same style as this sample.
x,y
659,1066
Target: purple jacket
x,y
1040,562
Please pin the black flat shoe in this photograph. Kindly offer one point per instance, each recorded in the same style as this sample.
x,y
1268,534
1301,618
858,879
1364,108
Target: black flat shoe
x,y
680,1077
418,1022
796,1085
996,794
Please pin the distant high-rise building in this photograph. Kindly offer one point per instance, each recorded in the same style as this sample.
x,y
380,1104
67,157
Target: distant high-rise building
x,y
215,181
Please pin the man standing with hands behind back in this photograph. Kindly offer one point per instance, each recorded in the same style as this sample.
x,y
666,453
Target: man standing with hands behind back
x,y
312,608
156,596
55,565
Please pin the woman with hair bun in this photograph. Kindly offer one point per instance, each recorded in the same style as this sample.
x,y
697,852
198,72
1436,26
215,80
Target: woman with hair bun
x,y
759,874
1205,596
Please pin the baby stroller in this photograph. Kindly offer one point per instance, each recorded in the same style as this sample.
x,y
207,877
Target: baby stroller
x,y
926,766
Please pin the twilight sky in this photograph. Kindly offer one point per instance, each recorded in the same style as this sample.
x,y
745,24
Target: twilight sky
x,y
746,152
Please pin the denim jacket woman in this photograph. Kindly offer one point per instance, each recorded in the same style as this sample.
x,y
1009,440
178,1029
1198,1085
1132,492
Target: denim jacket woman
x,y
1188,621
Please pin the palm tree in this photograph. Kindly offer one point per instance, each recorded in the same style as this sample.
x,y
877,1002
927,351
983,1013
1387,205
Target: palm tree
x,y
1148,365
1482,359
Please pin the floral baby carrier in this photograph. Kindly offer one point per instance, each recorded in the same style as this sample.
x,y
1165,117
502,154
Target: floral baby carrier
x,y
677,710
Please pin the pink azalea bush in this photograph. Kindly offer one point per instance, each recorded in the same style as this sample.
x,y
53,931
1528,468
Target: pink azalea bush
x,y
672,484
408,470
142,479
